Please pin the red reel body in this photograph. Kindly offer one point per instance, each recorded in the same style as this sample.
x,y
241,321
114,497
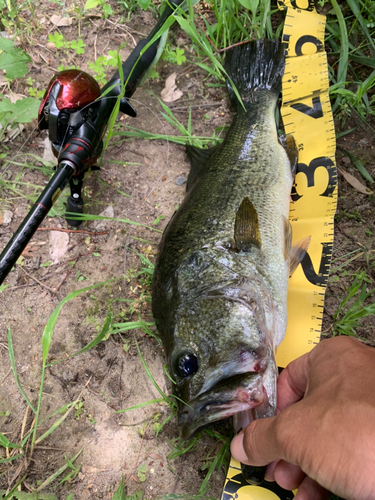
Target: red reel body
x,y
77,90
66,104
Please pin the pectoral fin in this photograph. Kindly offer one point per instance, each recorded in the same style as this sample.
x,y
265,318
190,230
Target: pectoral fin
x,y
246,227
297,253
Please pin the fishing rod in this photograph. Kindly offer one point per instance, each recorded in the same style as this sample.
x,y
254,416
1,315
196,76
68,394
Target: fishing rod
x,y
75,111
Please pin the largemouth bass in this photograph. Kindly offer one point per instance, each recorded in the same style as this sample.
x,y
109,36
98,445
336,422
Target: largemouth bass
x,y
220,283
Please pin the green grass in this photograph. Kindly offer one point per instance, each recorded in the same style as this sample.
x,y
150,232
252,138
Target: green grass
x,y
34,437
356,305
351,33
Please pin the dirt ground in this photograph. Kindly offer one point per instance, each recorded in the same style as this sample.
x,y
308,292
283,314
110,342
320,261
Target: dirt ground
x,y
111,376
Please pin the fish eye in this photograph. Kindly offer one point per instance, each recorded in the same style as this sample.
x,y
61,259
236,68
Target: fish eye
x,y
186,364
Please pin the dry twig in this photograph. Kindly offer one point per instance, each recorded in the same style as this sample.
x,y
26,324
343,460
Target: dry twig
x,y
51,290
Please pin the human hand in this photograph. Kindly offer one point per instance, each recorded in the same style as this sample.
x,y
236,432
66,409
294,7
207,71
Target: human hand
x,y
323,437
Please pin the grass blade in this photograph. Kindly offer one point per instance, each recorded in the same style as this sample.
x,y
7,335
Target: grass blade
x,y
56,474
164,396
84,217
4,441
216,463
57,423
51,323
4,460
103,335
353,4
14,370
362,170
15,487
141,405
344,50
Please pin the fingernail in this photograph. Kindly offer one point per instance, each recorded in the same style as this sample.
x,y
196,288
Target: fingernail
x,y
237,449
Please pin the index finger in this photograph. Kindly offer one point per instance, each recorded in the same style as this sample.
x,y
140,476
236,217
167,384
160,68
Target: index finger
x,y
292,382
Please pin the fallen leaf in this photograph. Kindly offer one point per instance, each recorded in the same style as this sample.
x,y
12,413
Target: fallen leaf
x,y
12,132
28,251
355,182
60,20
14,97
170,93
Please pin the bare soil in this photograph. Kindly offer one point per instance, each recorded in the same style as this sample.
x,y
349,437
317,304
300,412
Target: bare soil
x,y
108,377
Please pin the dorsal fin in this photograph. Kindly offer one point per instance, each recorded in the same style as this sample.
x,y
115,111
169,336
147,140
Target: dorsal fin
x,y
198,159
246,227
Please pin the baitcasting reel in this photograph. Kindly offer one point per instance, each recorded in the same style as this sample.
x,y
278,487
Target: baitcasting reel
x,y
75,111
69,103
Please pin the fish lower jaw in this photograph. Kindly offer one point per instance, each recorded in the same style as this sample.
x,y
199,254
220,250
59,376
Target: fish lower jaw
x,y
193,419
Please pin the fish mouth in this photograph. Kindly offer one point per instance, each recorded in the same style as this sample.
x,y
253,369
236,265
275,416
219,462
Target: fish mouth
x,y
240,393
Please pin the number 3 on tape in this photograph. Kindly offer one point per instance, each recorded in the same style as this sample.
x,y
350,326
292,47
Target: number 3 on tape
x,y
307,115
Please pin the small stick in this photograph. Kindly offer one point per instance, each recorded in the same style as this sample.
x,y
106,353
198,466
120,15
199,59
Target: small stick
x,y
109,369
51,290
49,448
25,420
75,258
28,284
75,244
139,452
70,270
10,369
203,106
120,385
348,235
96,37
218,51
65,278
70,230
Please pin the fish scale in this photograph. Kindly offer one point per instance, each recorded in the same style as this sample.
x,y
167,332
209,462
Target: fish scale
x,y
220,280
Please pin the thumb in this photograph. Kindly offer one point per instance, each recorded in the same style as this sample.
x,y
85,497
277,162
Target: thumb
x,y
257,444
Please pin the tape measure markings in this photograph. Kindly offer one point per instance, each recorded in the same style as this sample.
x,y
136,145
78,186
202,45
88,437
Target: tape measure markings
x,y
307,115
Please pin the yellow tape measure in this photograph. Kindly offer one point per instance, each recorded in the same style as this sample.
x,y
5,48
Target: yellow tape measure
x,y
307,115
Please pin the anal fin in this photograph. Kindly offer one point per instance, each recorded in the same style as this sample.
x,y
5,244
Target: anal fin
x,y
246,227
